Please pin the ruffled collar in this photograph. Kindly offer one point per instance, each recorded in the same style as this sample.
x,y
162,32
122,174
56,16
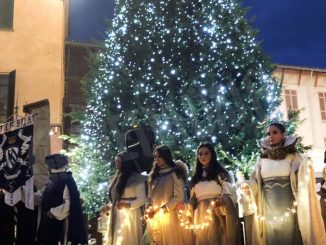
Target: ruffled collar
x,y
281,151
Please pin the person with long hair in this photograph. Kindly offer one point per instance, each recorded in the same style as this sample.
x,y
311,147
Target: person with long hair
x,y
166,192
282,190
213,199
127,194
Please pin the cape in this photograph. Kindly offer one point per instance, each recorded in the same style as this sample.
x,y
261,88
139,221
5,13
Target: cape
x,y
76,230
302,181
50,229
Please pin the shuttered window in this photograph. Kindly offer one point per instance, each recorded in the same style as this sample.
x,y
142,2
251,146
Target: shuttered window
x,y
322,103
291,100
7,96
6,14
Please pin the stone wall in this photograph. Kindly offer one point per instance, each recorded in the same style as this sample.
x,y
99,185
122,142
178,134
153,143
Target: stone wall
x,y
41,141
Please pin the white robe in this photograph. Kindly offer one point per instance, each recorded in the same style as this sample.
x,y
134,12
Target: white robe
x,y
223,226
303,188
128,224
166,190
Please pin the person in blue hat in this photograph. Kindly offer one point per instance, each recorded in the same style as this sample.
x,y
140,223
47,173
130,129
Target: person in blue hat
x,y
61,219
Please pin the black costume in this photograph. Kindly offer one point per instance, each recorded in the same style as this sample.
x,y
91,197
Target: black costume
x,y
51,230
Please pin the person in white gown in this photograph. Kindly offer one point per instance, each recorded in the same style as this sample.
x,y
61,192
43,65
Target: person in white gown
x,y
166,192
283,196
127,194
213,197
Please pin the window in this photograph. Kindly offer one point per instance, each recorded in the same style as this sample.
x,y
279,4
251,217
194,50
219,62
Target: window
x,y
322,103
291,100
6,14
7,95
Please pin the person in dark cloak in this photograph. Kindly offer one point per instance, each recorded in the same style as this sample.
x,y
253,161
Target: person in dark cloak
x,y
62,218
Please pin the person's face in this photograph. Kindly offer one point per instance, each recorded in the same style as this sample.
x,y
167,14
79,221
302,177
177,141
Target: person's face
x,y
274,135
245,188
118,162
158,160
204,156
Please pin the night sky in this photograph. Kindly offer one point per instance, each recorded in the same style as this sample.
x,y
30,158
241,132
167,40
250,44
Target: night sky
x,y
293,32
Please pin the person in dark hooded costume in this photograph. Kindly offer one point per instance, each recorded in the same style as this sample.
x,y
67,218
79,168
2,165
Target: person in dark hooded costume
x,y
61,219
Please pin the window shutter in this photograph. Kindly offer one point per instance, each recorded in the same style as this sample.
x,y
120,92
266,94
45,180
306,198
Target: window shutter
x,y
6,13
11,94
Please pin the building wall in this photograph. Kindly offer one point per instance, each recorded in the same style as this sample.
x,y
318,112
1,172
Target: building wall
x,y
307,82
35,49
77,61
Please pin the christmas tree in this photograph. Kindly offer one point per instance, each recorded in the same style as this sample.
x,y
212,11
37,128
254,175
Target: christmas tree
x,y
192,70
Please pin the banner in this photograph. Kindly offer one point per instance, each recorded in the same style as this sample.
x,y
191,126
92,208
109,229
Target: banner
x,y
16,169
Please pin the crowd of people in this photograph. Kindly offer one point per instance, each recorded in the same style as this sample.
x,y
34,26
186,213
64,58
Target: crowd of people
x,y
279,201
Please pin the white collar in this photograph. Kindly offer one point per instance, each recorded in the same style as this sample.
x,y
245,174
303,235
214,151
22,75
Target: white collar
x,y
59,170
289,140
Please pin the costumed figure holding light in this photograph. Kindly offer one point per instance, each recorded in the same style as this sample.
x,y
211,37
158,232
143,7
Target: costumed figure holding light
x,y
281,193
127,195
213,200
127,190
165,194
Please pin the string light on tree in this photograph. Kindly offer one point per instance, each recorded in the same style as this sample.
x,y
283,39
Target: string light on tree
x,y
193,64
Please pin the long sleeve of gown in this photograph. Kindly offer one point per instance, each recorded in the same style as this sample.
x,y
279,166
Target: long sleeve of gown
x,y
254,180
62,211
294,173
229,190
178,193
140,196
308,210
